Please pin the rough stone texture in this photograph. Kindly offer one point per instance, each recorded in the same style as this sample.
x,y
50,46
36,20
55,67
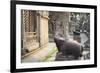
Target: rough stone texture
x,y
58,24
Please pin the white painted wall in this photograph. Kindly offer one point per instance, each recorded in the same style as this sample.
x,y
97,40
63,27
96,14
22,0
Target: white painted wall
x,y
5,36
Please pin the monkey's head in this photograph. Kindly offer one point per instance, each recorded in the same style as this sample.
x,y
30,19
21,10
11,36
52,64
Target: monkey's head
x,y
59,42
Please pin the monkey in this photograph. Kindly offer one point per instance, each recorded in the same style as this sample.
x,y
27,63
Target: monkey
x,y
69,48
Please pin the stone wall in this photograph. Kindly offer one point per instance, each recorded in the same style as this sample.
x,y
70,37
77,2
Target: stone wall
x,y
43,17
58,24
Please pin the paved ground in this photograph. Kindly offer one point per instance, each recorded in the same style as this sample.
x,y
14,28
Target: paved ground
x,y
47,53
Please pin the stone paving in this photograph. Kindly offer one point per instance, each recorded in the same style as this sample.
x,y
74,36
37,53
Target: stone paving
x,y
47,53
